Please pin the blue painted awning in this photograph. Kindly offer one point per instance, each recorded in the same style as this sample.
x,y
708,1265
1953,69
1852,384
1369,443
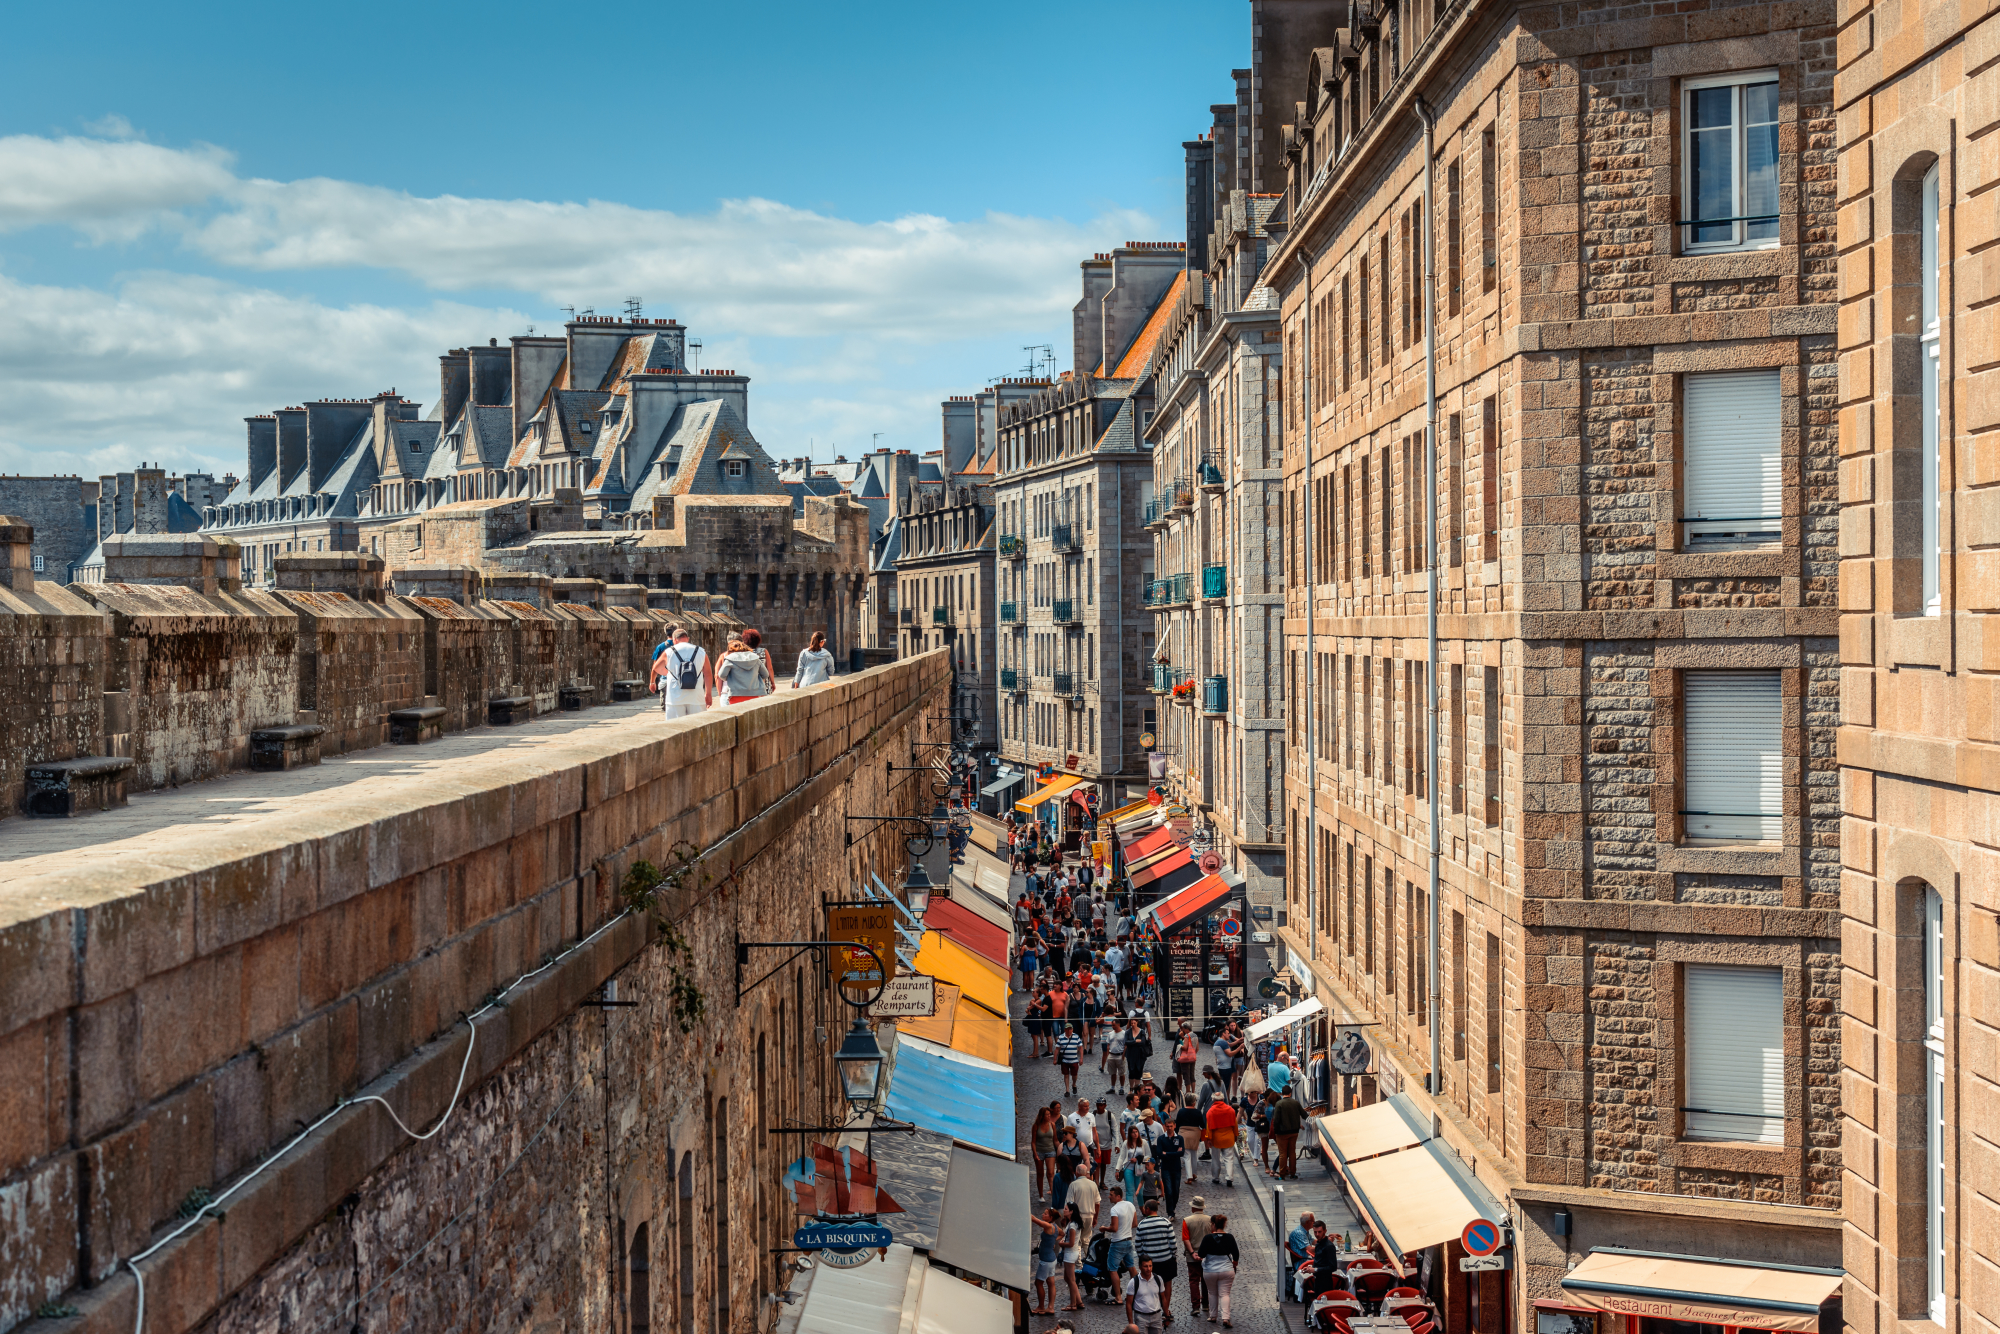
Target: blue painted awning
x,y
953,1094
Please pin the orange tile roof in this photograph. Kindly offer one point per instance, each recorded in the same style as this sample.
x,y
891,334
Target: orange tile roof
x,y
1134,363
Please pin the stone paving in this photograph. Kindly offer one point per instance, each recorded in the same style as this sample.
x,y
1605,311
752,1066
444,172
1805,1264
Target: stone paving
x,y
1255,1308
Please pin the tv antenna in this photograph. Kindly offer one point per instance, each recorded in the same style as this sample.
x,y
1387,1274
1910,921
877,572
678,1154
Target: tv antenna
x,y
633,307
1040,355
569,311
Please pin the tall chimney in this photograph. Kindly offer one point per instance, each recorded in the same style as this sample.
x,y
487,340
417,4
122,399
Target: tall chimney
x,y
263,432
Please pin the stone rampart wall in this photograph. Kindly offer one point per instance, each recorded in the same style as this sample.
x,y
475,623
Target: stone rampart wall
x,y
177,1008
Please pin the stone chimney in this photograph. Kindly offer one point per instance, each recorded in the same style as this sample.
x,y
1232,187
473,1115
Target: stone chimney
x,y
149,500
17,563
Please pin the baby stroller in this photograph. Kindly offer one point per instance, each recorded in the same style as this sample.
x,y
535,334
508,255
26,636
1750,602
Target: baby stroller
x,y
1093,1272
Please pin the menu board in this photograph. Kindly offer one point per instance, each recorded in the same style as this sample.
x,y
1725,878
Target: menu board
x,y
1186,968
1180,1002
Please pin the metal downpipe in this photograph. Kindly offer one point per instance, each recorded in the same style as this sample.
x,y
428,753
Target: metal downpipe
x,y
1434,1008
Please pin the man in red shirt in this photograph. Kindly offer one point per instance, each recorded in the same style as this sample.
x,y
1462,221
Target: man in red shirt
x,y
1220,1136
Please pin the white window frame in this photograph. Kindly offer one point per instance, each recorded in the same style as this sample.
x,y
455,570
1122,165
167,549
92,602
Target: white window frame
x,y
1703,777
41,564
1932,400
1739,230
1716,1061
733,468
1936,1182
1708,521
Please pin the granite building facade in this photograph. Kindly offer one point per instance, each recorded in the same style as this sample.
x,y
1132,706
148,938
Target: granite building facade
x,y
1606,238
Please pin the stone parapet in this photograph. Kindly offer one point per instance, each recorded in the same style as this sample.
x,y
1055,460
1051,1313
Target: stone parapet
x,y
357,574
184,1003
196,561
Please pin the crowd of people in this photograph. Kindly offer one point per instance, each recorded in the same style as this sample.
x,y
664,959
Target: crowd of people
x,y
1112,1165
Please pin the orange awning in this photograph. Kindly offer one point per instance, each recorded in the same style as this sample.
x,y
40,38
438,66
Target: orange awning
x,y
1177,910
1160,866
964,1025
1055,787
1703,1290
1147,844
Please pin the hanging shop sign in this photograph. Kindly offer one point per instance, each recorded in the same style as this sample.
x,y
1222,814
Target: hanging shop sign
x,y
910,996
836,1190
1351,1054
853,969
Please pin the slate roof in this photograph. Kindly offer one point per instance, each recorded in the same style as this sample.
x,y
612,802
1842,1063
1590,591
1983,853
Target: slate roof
x,y
1123,433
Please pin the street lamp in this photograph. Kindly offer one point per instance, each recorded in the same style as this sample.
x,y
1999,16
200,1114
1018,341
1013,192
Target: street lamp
x,y
860,1063
917,888
940,821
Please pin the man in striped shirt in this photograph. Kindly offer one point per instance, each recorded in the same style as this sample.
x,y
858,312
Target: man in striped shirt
x,y
1159,1241
1069,1048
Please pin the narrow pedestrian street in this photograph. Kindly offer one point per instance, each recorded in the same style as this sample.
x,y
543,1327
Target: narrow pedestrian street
x,y
1038,1082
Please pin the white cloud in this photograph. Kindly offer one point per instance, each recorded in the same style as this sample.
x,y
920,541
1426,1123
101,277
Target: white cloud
x,y
751,266
165,367
112,189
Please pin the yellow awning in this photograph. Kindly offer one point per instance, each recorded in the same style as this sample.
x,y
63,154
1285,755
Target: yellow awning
x,y
964,1025
1702,1290
948,961
1378,1128
1125,812
1055,787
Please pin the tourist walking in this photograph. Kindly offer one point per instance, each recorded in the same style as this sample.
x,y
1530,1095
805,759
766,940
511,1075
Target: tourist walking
x,y
1048,1234
1187,1050
815,663
1069,1051
1219,1258
682,676
1157,1240
1069,1250
1194,1229
1145,1304
743,674
1220,1136
1042,1142
1119,1221
1287,1117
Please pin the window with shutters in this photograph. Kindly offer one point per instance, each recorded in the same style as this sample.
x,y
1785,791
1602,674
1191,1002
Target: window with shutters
x,y
1733,760
1729,158
1732,472
1733,1064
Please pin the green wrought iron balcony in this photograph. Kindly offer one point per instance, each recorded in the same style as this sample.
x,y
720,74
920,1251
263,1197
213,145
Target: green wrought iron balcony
x,y
1013,548
1010,613
1062,539
1065,612
1010,678
1170,591
1163,678
1065,683
1214,581
1215,694
940,615
1153,513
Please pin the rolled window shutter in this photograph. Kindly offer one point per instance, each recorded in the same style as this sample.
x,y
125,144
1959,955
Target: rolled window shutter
x,y
1734,1055
1735,755
1732,481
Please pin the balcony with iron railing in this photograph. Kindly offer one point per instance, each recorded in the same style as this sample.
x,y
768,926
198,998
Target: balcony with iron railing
x,y
1065,683
1214,581
1064,612
1182,494
1062,539
1013,548
1010,678
940,615
1156,514
1215,694
1010,613
1163,678
1171,591
906,616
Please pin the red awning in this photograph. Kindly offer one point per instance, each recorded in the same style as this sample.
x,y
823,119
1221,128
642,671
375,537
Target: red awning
x,y
1147,844
1171,914
969,929
1153,871
1174,878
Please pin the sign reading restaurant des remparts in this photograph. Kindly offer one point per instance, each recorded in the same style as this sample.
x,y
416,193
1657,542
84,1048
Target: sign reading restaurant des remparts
x,y
910,996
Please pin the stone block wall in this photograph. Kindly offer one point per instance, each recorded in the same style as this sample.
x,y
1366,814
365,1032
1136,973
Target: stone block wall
x,y
358,662
468,655
174,1009
203,672
52,651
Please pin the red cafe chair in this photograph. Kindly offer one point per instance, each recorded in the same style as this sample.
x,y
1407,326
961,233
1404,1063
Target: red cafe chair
x,y
1402,1292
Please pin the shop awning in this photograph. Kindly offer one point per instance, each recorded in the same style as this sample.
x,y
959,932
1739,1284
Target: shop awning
x,y
1285,1018
1703,1290
954,1094
1127,811
984,1229
1174,879
999,785
948,961
1419,1197
1366,1132
912,1165
867,1299
1148,844
1055,787
964,1025
959,923
950,1305
1193,903
967,894
1141,876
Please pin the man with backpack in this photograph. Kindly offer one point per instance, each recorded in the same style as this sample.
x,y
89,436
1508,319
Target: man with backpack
x,y
683,677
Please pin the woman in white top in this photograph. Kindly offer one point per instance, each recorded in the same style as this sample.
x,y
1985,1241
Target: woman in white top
x,y
815,663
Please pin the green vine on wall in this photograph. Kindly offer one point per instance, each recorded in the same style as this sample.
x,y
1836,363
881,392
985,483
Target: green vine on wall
x,y
648,889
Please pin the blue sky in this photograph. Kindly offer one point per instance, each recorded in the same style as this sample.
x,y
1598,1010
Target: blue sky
x,y
214,212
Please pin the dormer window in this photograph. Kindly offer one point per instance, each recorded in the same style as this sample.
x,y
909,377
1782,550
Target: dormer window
x,y
732,468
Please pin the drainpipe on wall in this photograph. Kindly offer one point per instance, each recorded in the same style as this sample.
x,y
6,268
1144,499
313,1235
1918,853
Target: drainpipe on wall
x,y
1312,589
1436,1081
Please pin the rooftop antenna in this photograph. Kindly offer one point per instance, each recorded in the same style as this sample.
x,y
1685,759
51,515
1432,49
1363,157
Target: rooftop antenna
x,y
1039,354
569,311
873,441
633,306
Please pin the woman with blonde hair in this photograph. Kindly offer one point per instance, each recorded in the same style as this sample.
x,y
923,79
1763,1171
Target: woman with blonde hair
x,y
742,674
